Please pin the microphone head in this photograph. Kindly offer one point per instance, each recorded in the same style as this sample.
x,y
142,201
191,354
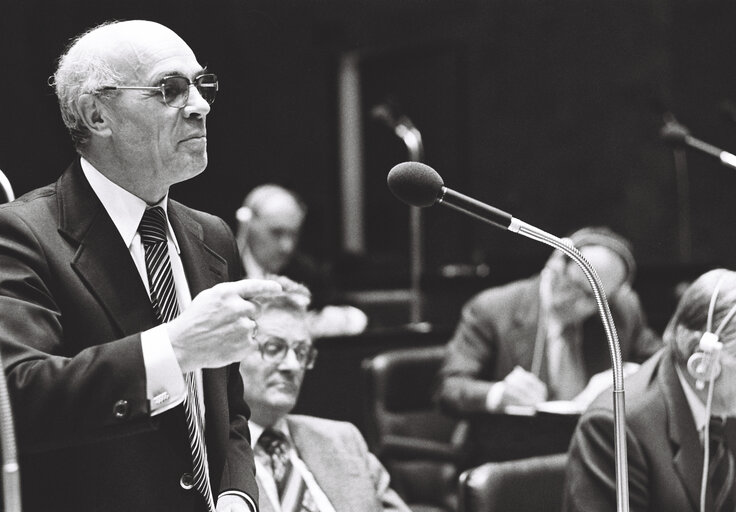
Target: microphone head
x,y
415,184
674,133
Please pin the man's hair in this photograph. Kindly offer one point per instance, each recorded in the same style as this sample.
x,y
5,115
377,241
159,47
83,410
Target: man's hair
x,y
294,297
692,313
81,70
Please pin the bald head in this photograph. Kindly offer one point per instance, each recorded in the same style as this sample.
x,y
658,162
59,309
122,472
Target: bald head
x,y
270,223
110,54
111,93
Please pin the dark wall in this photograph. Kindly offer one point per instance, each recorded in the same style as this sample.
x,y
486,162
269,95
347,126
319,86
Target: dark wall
x,y
550,110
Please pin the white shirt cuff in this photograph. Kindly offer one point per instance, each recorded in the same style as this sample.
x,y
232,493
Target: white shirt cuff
x,y
165,387
495,395
248,499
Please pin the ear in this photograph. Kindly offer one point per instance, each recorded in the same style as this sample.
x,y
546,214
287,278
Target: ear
x,y
95,115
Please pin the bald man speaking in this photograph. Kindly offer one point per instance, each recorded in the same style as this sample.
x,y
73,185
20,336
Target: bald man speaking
x,y
121,313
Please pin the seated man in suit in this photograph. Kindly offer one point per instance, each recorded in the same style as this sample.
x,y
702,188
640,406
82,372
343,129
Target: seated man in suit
x,y
321,464
667,412
269,228
541,338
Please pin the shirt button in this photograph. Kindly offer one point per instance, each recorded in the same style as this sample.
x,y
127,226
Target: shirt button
x,y
121,409
186,481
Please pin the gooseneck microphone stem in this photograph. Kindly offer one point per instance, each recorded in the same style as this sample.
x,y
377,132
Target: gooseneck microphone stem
x,y
413,141
676,134
419,185
619,412
8,446
725,157
499,218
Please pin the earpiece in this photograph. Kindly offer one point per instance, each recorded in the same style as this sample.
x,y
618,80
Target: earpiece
x,y
703,365
243,214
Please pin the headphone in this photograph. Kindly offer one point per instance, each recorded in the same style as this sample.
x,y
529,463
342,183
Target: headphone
x,y
703,365
243,214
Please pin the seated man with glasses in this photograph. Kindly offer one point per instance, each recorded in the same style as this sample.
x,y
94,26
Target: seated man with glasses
x,y
303,462
541,338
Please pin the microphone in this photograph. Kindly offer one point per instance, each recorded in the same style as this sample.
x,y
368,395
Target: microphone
x,y
676,134
419,185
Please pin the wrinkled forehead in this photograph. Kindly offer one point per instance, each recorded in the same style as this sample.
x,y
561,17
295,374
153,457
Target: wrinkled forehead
x,y
141,49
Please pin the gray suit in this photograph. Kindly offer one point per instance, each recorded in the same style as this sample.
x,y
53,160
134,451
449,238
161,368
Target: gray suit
x,y
336,454
498,330
665,457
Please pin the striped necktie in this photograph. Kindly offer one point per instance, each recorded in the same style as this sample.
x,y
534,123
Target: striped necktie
x,y
163,299
721,468
293,492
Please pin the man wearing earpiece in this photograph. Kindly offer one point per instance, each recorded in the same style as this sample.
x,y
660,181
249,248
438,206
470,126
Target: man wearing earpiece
x,y
269,226
680,411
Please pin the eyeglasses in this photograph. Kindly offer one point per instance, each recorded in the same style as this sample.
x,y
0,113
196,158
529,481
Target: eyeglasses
x,y
175,89
274,350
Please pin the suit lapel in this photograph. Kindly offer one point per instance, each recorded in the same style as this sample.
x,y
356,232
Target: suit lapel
x,y
324,463
102,261
202,266
688,455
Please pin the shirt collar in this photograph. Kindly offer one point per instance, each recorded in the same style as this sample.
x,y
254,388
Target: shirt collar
x,y
256,430
125,209
697,407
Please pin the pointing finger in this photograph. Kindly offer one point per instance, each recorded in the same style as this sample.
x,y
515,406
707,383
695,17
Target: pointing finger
x,y
249,288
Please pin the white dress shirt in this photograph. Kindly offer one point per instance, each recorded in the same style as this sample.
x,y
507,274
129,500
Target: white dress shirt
x,y
165,385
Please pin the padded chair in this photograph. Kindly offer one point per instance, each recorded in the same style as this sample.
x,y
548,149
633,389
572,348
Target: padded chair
x,y
524,485
420,447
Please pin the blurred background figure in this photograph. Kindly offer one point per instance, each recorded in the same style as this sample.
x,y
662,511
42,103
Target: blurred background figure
x,y
269,225
667,412
540,338
303,462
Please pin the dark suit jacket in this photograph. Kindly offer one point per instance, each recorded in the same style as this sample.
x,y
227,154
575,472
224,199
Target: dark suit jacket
x,y
498,330
665,457
336,454
72,306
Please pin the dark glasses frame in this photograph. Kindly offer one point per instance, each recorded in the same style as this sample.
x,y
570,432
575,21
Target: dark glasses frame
x,y
305,358
207,90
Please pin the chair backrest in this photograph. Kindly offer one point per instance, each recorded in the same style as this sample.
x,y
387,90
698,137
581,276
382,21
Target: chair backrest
x,y
418,444
398,400
523,485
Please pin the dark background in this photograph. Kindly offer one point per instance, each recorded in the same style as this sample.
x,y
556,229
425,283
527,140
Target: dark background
x,y
549,110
